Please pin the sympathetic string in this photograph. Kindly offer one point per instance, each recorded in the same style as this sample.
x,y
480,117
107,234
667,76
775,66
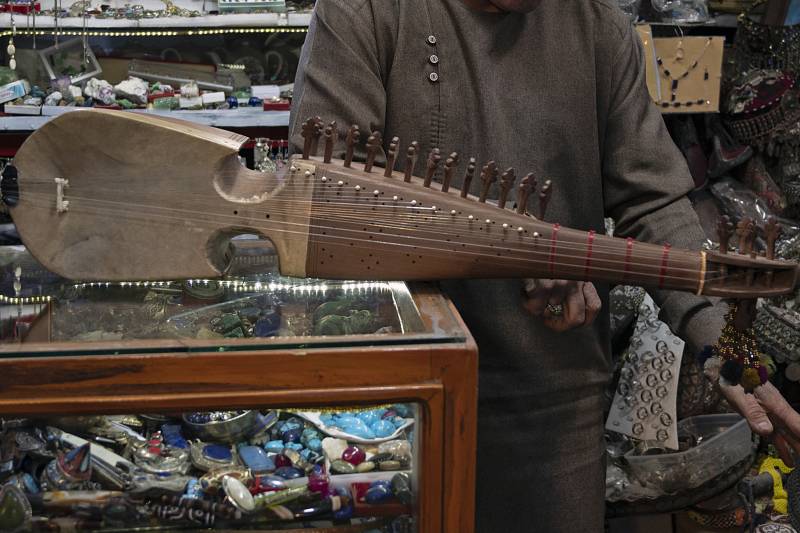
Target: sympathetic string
x,y
133,211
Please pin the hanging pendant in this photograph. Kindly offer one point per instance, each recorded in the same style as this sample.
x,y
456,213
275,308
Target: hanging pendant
x,y
679,53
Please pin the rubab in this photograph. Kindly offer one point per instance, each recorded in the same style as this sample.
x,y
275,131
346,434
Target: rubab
x,y
112,196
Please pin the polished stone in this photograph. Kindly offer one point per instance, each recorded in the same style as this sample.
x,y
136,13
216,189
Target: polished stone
x,y
342,467
354,455
289,472
378,492
390,465
366,466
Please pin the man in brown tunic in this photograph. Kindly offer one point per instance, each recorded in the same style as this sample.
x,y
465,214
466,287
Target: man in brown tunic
x,y
554,87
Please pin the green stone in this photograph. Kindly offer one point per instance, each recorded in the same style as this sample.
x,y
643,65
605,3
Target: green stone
x,y
343,467
391,465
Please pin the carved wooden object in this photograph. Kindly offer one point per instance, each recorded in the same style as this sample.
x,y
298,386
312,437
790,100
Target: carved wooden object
x,y
127,218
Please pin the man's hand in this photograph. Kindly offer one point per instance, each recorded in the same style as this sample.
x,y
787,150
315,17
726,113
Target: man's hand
x,y
563,305
769,415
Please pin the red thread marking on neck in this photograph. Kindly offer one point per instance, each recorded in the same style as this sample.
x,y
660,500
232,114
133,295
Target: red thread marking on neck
x,y
664,262
589,245
553,244
628,255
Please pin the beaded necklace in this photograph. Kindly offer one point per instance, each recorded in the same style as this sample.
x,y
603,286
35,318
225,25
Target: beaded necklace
x,y
675,80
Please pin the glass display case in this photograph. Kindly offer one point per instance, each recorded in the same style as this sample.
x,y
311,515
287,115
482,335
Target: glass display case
x,y
252,402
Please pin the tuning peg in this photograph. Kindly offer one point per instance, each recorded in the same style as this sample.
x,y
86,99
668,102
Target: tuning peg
x,y
316,133
724,232
450,166
331,136
353,137
506,183
544,198
411,160
391,157
488,176
308,131
433,163
526,187
745,229
373,144
772,230
468,175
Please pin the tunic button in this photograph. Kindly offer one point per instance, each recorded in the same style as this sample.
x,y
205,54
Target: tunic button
x,y
434,77
431,39
434,59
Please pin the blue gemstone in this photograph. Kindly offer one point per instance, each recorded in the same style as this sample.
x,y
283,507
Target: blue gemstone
x,y
289,472
233,102
292,435
254,101
271,482
296,446
378,492
172,436
217,452
382,428
274,446
369,417
315,445
346,511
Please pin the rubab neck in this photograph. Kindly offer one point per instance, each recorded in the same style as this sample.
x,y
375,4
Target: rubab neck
x,y
396,230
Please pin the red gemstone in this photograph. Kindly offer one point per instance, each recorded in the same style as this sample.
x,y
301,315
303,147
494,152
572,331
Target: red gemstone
x,y
281,460
354,455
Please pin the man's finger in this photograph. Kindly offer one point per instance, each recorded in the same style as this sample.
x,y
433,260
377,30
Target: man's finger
x,y
575,306
779,409
593,303
748,407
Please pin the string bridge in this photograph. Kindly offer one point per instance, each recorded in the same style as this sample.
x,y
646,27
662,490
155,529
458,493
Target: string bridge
x,y
62,205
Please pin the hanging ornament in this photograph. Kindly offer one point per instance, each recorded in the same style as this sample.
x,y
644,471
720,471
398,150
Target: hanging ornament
x,y
680,53
11,49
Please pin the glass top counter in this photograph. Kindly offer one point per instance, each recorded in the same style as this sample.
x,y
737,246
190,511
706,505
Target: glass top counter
x,y
252,307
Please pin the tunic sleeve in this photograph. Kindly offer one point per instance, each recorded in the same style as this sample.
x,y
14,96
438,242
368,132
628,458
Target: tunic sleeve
x,y
341,72
645,180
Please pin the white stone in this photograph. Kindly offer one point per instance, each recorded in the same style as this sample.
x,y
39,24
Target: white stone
x,y
100,90
33,100
75,92
134,89
53,98
333,448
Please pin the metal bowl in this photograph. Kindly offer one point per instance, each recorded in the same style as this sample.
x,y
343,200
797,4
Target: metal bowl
x,y
229,431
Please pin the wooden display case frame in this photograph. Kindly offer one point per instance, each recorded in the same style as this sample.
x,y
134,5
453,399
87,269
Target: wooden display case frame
x,y
439,374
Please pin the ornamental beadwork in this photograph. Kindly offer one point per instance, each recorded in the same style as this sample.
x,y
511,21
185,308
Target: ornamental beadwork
x,y
742,361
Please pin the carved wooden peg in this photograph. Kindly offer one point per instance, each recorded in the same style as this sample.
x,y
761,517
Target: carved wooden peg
x,y
308,131
772,231
469,174
374,143
544,198
331,136
353,137
746,230
391,157
450,166
433,163
411,160
526,187
506,183
488,177
724,232
316,133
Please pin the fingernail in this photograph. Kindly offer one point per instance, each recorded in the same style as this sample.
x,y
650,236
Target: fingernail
x,y
764,426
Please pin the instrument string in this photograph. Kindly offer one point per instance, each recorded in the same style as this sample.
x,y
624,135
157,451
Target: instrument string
x,y
416,219
370,244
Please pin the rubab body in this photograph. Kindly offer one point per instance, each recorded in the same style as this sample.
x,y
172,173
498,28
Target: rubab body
x,y
102,195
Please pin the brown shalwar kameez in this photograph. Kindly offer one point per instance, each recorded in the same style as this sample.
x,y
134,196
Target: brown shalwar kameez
x,y
560,92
